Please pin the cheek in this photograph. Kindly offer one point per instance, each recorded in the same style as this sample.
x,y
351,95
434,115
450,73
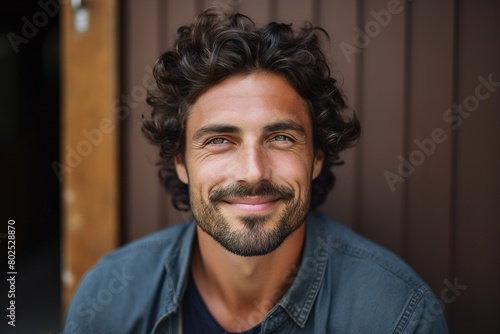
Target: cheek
x,y
205,174
294,170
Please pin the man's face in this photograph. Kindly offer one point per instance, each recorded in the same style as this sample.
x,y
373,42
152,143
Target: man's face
x,y
249,162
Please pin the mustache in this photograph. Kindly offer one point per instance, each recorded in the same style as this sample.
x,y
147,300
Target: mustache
x,y
262,189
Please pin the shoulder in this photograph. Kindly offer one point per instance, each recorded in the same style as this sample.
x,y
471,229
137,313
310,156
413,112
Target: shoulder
x,y
367,281
145,256
164,241
350,248
127,281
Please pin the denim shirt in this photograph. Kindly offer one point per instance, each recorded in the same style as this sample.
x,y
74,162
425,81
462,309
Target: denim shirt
x,y
345,284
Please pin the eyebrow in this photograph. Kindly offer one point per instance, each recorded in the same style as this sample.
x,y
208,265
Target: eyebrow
x,y
215,128
285,125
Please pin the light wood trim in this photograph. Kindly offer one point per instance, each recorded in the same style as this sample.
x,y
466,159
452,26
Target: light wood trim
x,y
90,184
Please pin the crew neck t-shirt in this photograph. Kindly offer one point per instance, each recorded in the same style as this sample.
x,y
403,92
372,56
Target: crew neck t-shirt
x,y
196,318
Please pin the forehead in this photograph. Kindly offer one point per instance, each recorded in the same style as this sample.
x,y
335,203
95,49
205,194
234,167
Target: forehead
x,y
254,98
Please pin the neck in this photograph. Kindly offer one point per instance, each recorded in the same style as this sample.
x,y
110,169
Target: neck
x,y
240,291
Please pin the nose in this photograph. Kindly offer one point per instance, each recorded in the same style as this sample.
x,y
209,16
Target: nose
x,y
252,165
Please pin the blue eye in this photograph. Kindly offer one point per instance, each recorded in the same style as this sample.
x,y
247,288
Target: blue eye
x,y
281,138
217,141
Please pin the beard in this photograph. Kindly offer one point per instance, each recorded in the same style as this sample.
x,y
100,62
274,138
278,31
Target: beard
x,y
252,238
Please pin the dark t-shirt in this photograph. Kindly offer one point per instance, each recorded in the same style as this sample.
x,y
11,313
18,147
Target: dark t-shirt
x,y
197,319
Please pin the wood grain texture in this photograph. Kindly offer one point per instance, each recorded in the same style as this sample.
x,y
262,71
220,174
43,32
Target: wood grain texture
x,y
89,130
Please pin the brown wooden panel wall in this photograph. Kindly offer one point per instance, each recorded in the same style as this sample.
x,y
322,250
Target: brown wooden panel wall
x,y
419,182
381,105
427,195
477,165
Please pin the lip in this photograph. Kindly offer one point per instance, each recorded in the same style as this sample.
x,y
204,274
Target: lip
x,y
252,204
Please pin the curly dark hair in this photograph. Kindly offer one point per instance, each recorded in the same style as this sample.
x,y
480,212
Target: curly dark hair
x,y
218,45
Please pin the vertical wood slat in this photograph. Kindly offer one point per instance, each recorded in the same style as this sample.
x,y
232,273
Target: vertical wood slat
x,y
382,110
427,219
176,15
477,309
141,214
339,18
296,12
257,10
89,128
224,5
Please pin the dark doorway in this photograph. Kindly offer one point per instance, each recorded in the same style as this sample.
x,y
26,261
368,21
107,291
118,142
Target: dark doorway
x,y
29,143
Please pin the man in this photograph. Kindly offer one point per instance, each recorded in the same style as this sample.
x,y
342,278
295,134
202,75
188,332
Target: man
x,y
249,124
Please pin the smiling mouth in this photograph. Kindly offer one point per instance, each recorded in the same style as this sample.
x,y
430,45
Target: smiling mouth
x,y
255,204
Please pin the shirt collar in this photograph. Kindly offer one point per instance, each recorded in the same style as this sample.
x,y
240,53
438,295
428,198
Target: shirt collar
x,y
177,270
298,300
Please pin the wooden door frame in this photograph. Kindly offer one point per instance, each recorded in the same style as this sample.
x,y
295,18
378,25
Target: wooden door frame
x,y
89,135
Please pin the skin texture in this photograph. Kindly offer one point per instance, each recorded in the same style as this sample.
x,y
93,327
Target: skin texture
x,y
249,162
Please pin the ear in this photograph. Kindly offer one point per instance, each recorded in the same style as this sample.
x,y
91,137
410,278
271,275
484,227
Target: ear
x,y
181,170
319,158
